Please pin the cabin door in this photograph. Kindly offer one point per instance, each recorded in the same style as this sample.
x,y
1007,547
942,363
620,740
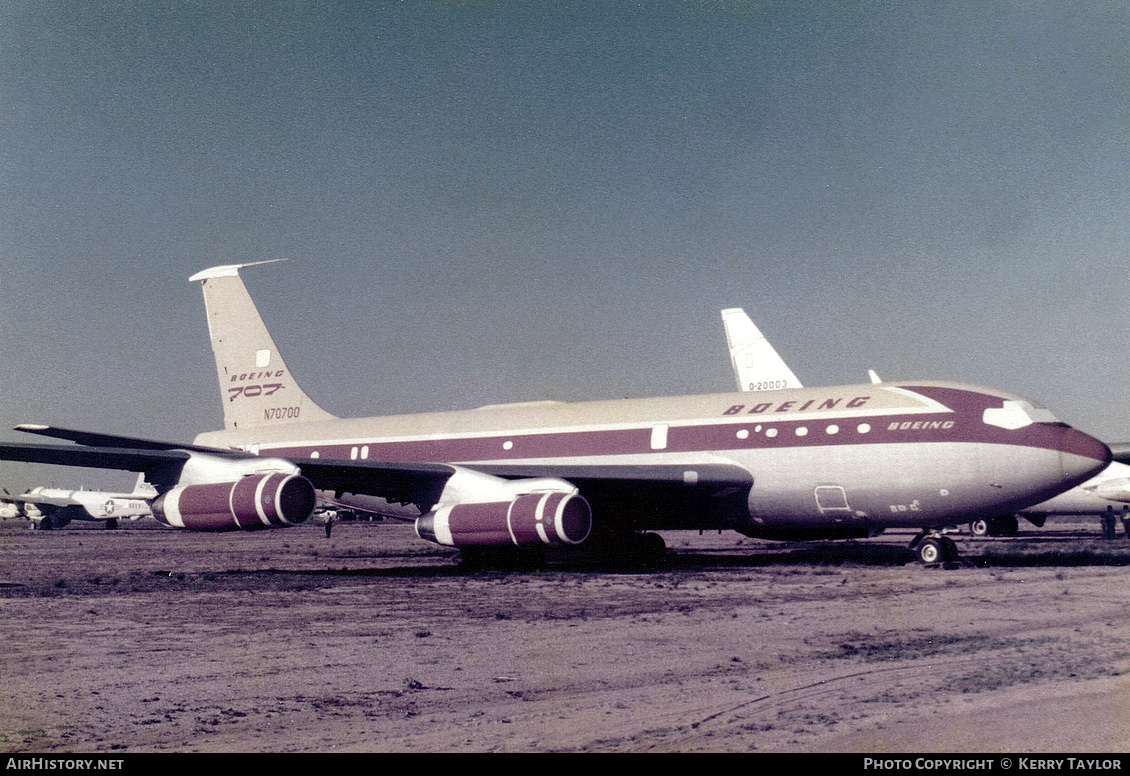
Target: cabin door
x,y
832,502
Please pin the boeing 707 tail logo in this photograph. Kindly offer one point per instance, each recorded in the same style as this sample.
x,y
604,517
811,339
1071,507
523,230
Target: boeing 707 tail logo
x,y
251,391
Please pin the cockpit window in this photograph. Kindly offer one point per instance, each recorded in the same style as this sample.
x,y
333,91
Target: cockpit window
x,y
1017,414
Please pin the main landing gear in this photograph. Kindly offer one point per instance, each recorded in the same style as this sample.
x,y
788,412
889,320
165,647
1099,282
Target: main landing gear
x,y
1002,525
931,547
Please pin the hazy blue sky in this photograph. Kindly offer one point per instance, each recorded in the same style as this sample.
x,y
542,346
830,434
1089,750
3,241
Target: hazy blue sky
x,y
486,202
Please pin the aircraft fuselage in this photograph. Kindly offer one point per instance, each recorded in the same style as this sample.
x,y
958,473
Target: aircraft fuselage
x,y
847,459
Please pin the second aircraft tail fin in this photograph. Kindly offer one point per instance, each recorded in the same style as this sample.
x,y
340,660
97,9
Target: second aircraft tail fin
x,y
757,366
256,387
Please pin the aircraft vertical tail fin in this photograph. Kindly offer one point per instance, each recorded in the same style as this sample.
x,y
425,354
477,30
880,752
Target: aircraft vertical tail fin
x,y
757,366
142,488
256,387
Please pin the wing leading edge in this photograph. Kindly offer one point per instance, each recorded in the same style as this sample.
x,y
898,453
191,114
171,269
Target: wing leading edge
x,y
163,465
674,496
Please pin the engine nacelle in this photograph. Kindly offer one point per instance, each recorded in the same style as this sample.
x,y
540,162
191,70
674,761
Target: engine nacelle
x,y
530,520
253,502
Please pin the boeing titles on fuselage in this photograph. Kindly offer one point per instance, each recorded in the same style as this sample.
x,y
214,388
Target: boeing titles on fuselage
x,y
761,368
791,406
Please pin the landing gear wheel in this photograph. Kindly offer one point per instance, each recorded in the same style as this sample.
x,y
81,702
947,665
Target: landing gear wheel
x,y
1002,525
930,550
936,549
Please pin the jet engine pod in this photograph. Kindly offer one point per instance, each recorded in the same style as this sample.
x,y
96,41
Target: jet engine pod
x,y
531,520
255,501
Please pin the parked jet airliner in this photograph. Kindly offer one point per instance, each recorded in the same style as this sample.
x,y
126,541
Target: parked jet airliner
x,y
845,461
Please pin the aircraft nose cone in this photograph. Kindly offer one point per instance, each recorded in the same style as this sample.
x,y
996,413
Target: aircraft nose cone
x,y
1082,456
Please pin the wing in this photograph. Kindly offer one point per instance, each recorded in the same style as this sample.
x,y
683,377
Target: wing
x,y
31,497
92,439
405,482
628,497
668,497
135,460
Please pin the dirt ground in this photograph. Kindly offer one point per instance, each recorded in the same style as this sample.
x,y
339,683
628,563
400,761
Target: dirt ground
x,y
151,640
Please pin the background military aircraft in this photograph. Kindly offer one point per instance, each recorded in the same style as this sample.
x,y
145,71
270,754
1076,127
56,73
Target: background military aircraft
x,y
48,508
